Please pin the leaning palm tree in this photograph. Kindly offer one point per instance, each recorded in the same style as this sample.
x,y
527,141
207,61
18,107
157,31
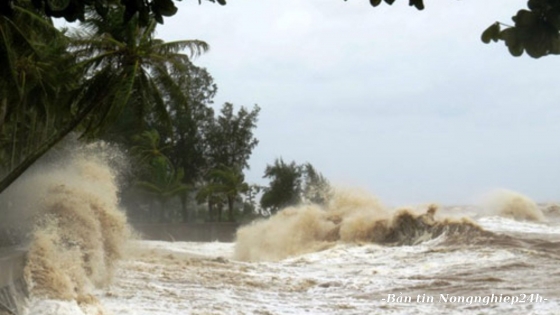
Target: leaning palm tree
x,y
36,84
126,70
130,73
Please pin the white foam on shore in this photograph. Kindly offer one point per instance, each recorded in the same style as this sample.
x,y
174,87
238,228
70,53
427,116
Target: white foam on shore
x,y
200,278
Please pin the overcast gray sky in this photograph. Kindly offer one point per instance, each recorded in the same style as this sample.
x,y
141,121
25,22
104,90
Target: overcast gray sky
x,y
408,105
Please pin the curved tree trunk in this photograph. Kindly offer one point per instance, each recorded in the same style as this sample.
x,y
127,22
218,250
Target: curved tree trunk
x,y
46,146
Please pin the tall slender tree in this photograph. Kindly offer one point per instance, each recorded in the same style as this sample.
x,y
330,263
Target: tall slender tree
x,y
190,121
230,140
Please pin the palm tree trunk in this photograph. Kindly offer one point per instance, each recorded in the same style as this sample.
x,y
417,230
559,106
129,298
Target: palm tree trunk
x,y
46,146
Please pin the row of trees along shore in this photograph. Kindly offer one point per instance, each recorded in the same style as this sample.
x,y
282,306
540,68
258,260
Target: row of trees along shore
x,y
109,78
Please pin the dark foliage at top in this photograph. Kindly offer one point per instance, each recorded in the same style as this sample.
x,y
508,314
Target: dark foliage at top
x,y
73,10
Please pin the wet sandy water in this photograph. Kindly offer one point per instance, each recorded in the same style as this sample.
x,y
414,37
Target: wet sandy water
x,y
201,278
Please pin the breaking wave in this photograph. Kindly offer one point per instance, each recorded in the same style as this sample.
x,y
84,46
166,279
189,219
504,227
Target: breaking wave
x,y
73,226
513,205
349,217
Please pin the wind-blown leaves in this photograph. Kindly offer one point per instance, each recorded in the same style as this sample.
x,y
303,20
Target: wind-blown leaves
x,y
142,66
37,84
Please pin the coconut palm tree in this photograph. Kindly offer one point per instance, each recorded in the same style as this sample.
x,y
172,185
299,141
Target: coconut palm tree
x,y
126,71
132,70
36,83
148,147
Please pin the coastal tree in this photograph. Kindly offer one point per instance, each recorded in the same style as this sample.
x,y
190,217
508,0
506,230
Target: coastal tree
x,y
191,118
228,144
37,89
291,184
316,188
228,183
230,139
73,10
129,70
285,186
122,69
155,175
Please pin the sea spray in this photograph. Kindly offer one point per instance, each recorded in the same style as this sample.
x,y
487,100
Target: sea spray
x,y
512,204
306,228
292,231
77,229
349,217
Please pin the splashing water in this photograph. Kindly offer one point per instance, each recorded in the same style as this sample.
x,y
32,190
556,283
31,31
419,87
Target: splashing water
x,y
69,214
514,205
350,217
75,229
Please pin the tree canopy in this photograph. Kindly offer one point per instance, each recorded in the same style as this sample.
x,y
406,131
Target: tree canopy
x,y
72,10
535,30
291,184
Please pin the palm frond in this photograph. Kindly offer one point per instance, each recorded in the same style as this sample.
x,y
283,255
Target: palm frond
x,y
195,47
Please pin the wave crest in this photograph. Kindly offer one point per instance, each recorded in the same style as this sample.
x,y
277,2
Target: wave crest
x,y
350,217
75,228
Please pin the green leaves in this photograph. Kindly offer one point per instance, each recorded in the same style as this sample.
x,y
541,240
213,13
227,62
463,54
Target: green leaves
x,y
536,31
513,43
492,33
163,8
73,10
138,70
291,184
525,18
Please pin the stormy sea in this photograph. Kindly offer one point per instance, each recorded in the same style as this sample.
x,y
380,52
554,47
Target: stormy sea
x,y
351,256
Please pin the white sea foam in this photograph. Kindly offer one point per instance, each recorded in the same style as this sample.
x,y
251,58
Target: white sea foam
x,y
345,279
